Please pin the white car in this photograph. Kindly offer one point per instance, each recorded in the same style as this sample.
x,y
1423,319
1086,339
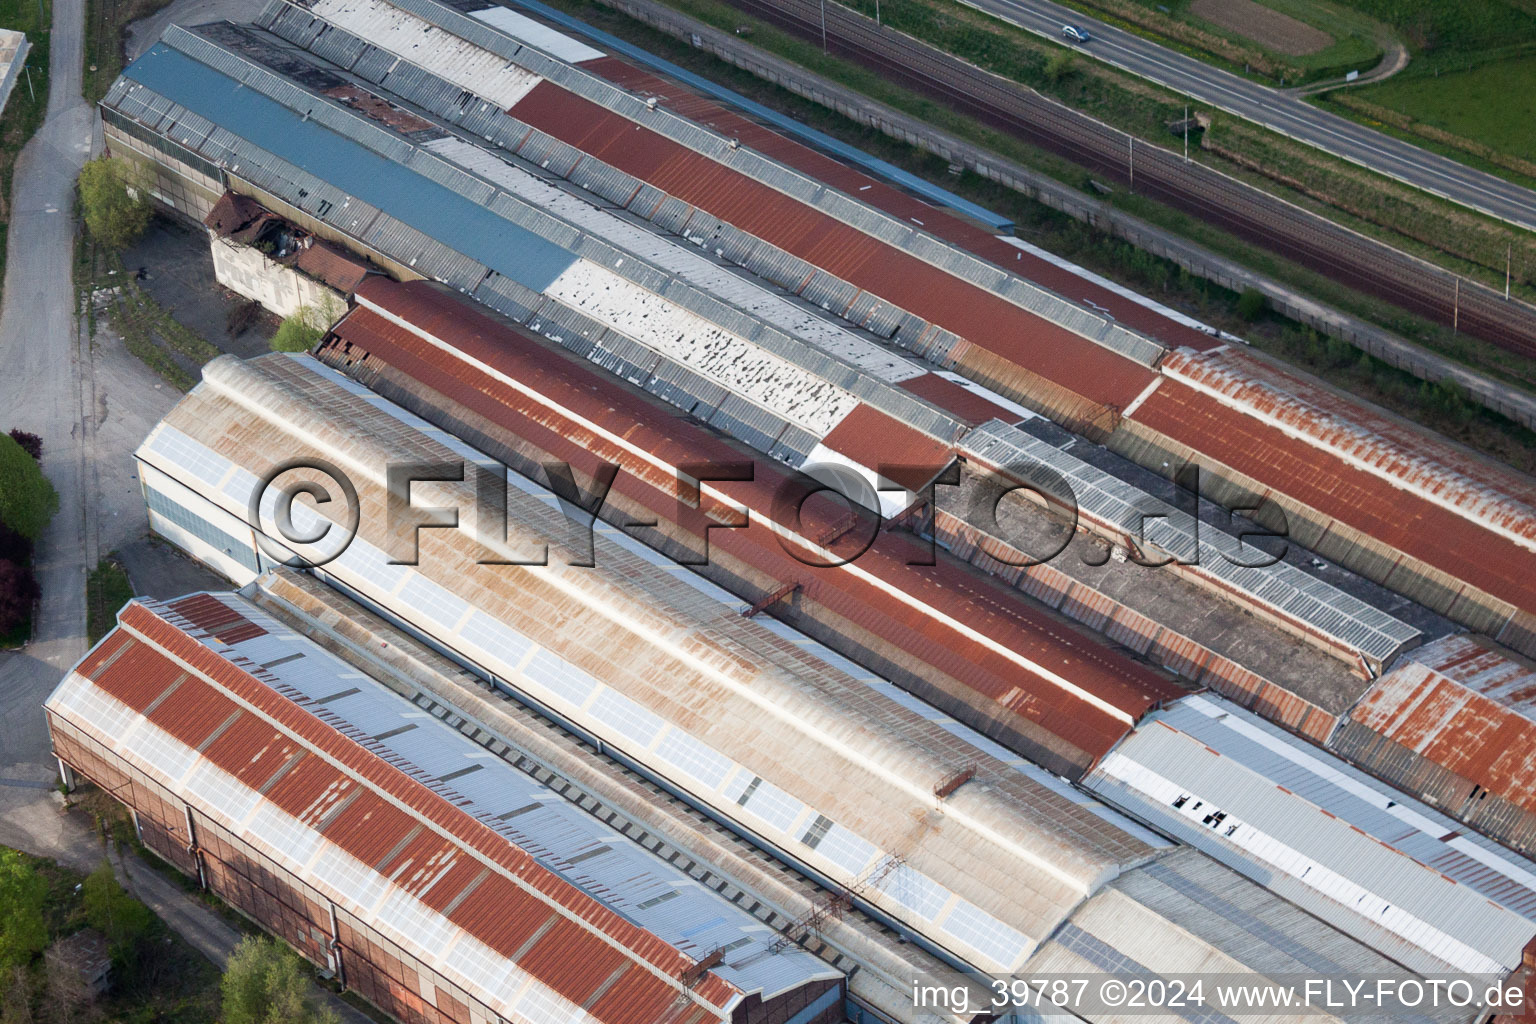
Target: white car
x,y
1073,34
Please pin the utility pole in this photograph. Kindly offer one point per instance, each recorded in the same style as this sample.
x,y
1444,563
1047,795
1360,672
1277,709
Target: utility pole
x,y
33,95
1186,133
1132,140
1456,309
823,26
877,12
1509,262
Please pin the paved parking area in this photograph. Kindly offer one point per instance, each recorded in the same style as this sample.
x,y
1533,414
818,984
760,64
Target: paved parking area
x,y
178,268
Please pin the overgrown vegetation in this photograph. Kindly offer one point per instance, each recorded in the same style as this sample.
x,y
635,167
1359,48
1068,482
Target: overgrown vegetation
x,y
265,982
115,212
28,105
107,589
171,349
27,502
156,977
303,329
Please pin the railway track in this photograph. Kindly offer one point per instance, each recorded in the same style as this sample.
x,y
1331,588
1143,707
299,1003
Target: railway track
x,y
1240,209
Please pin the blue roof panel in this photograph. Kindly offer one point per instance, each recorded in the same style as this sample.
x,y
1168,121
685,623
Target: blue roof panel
x,y
437,211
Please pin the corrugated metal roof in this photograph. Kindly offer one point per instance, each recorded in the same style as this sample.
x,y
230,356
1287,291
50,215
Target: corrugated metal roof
x,y
1314,605
665,674
1368,859
611,869
382,182
222,730
705,144
1187,915
1431,531
1407,459
536,33
1465,706
843,250
467,358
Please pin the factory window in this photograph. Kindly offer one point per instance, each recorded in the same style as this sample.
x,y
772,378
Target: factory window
x,y
200,528
656,900
1182,800
817,832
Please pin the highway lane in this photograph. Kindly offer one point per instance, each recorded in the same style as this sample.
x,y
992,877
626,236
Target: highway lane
x,y
1277,110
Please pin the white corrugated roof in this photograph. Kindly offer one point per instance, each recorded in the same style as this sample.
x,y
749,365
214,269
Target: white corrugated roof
x,y
1373,861
538,34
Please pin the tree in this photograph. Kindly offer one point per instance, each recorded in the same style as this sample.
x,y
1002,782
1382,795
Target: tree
x,y
111,911
23,932
266,983
1250,304
115,214
16,992
303,330
27,499
18,590
1060,66
30,443
296,335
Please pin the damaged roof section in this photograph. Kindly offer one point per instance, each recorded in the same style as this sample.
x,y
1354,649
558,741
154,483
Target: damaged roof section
x,y
1455,720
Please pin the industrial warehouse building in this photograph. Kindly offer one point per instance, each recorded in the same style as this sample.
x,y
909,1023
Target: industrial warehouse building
x,y
506,116
438,882
649,282
1036,856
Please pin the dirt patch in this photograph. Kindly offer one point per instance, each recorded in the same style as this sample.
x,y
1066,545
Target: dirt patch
x,y
1279,33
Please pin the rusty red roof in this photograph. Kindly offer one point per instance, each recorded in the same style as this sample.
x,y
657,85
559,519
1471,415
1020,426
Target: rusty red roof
x,y
561,936
1490,501
1431,531
873,439
984,319
332,265
962,623
971,406
1466,707
883,196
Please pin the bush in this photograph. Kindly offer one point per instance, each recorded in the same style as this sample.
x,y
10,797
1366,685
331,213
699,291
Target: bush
x,y
1060,66
115,215
267,983
18,592
14,547
241,316
23,931
111,911
1250,304
27,499
303,330
295,335
30,443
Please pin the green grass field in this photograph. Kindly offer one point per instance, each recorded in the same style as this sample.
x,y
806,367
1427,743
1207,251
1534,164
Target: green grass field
x,y
1355,36
1494,103
1453,34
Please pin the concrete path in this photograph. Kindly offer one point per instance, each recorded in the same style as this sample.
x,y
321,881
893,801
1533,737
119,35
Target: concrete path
x,y
47,388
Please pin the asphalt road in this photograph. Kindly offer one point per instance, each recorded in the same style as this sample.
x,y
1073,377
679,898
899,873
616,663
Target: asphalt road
x,y
47,388
1278,110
